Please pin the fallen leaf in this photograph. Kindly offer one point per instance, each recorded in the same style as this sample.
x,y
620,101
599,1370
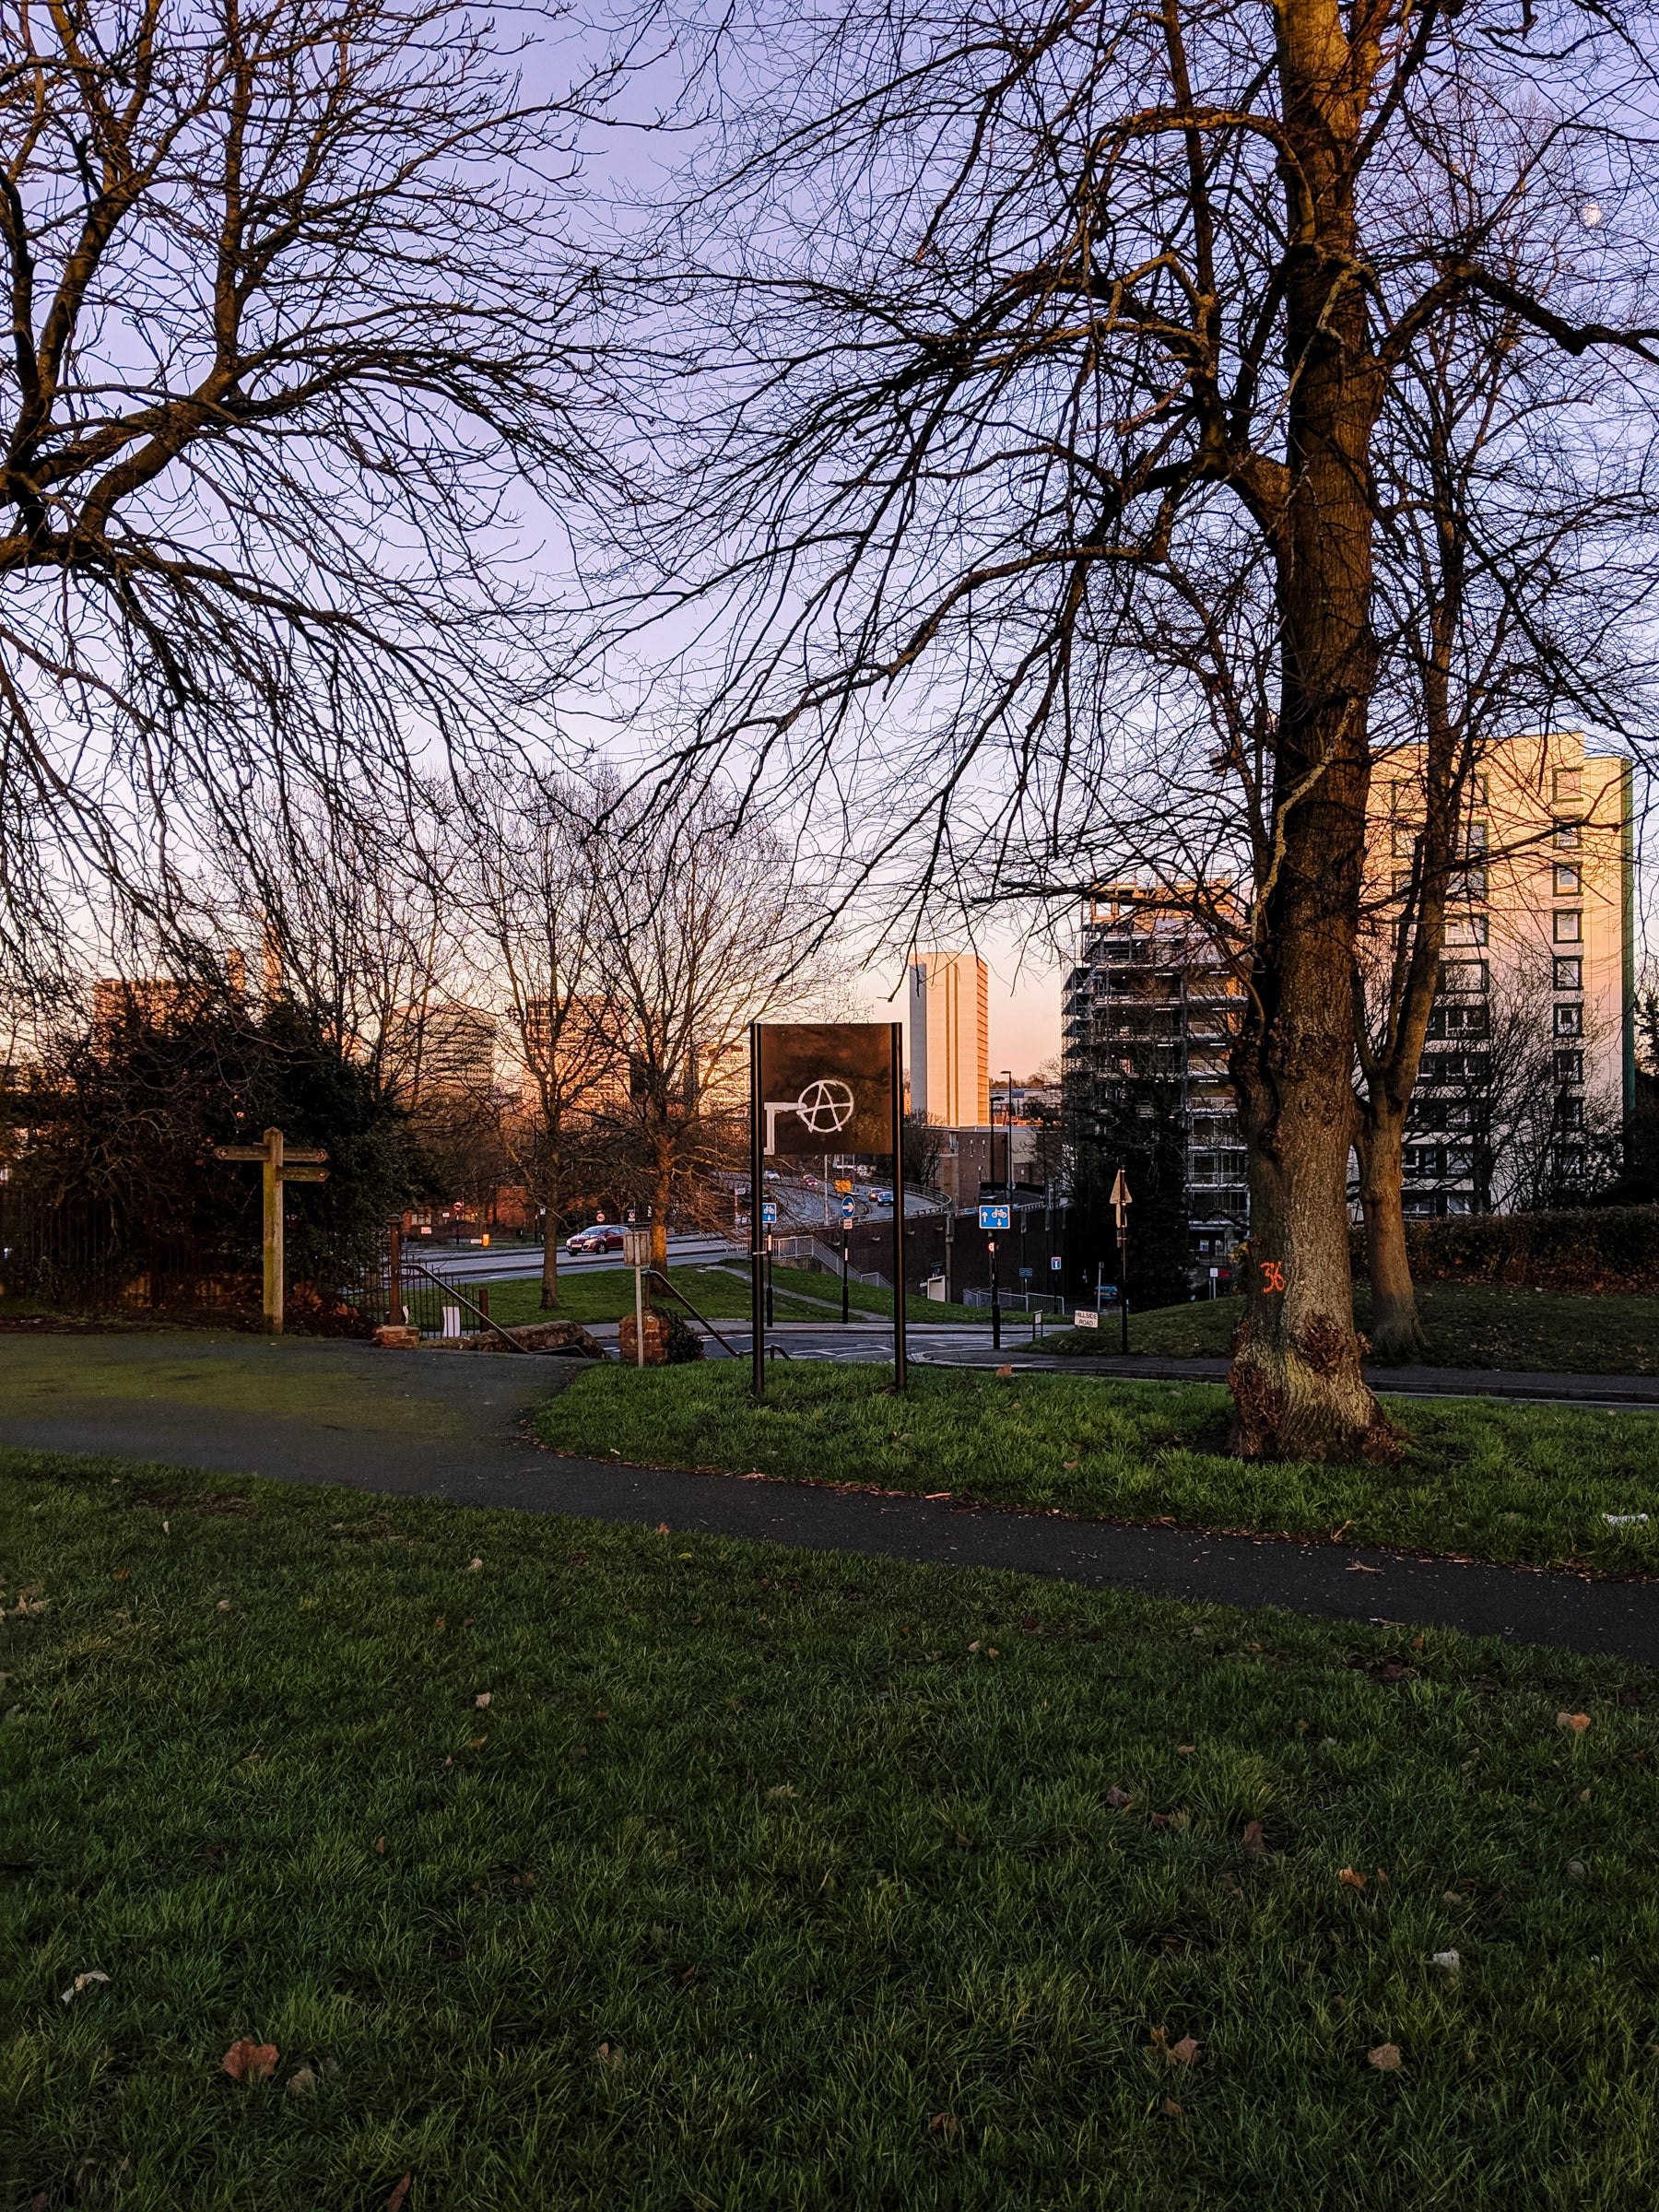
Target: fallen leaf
x,y
1447,1959
1255,1841
81,1982
482,1701
302,2083
1386,2058
1069,1467
1118,1798
122,1574
224,1605
781,1789
1577,1722
662,1529
438,1624
1184,2053
1003,1372
380,1845
476,1743
1359,1568
1171,2109
248,2061
602,1716
1185,1751
945,2124
472,1566
399,2191
609,2054
1350,1879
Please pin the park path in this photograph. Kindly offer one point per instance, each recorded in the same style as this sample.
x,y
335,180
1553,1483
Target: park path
x,y
451,1425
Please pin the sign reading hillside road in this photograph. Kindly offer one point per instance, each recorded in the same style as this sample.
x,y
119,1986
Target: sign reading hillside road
x,y
280,1165
824,1090
994,1216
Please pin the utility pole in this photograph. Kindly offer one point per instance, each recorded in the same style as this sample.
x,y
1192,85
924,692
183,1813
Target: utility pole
x,y
995,1306
275,1158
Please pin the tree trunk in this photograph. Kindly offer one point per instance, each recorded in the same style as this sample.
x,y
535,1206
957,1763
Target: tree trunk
x,y
549,1275
1396,1334
659,1219
1298,1390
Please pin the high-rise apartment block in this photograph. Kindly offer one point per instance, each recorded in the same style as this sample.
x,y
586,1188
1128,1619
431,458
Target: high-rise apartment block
x,y
1531,1048
1148,1016
951,1038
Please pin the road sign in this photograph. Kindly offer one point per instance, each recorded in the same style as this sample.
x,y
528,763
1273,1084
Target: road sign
x,y
1120,1196
1054,1263
994,1216
846,1210
842,1185
636,1248
1086,1318
769,1214
1024,1271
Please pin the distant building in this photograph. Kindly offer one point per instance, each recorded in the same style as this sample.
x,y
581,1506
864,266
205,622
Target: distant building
x,y
1148,1016
441,1053
154,1001
951,1038
1539,965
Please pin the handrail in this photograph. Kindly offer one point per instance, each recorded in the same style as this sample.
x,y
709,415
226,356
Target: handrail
x,y
675,1291
443,1283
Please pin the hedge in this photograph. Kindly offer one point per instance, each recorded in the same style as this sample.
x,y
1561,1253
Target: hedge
x,y
1605,1248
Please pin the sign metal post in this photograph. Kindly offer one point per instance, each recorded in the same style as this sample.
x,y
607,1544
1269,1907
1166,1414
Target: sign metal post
x,y
756,1249
276,1159
900,1375
1121,1203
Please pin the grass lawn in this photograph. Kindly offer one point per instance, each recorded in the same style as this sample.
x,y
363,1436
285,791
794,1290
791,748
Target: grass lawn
x,y
1493,1480
723,1295
1467,1325
772,1879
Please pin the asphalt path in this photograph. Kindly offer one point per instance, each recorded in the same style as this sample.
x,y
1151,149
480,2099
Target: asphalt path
x,y
511,1262
451,1425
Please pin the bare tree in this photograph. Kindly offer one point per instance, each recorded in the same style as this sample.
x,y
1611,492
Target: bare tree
x,y
530,890
1050,357
1513,587
706,924
292,320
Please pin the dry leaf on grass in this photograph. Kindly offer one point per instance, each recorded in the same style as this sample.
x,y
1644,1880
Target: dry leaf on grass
x,y
1255,1841
1450,1960
472,1566
399,2191
1171,2109
1183,2053
1577,1722
1003,1372
482,1701
943,2123
1386,2058
302,2083
248,2061
224,1605
1351,1879
1118,1798
80,1982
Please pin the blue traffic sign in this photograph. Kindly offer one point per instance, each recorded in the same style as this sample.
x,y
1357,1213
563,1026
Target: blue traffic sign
x,y
846,1210
769,1214
1054,1263
994,1216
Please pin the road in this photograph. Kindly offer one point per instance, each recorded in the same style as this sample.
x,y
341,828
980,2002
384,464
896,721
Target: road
x,y
507,1262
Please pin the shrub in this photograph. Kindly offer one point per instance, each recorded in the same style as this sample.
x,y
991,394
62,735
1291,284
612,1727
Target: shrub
x,y
1602,1248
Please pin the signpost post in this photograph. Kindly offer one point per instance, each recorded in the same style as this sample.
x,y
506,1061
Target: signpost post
x,y
994,1217
275,1158
636,1253
846,1210
1121,1203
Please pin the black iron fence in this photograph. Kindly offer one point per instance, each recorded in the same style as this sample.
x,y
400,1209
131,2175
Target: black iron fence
x,y
78,1255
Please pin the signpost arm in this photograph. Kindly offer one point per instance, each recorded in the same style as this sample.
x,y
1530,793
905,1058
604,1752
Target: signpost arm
x,y
900,1376
756,1248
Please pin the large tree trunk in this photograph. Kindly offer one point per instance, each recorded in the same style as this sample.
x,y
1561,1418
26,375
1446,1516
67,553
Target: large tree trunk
x,y
1396,1334
659,1217
549,1275
1298,1390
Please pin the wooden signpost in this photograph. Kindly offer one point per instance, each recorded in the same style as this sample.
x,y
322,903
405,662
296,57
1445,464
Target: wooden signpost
x,y
276,1159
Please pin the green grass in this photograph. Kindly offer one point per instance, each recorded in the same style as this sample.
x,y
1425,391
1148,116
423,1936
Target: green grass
x,y
770,1880
1467,1325
798,1294
1491,1480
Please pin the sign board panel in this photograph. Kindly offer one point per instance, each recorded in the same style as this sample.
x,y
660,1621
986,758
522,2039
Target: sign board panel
x,y
1024,1272
1086,1318
1054,1263
636,1247
769,1214
846,1210
994,1216
826,1087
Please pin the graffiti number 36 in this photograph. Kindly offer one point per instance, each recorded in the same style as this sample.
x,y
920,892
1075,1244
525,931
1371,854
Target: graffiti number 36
x,y
1273,1276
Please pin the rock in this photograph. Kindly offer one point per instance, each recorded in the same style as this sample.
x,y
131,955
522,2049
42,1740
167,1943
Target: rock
x,y
394,1337
538,1336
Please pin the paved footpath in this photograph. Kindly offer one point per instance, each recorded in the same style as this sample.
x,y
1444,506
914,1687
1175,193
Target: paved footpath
x,y
451,1425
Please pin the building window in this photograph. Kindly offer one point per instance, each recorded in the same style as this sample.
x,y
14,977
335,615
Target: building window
x,y
1568,926
1465,929
1469,883
1570,1067
1566,879
1404,840
1568,784
1463,976
1475,840
1421,1163
1567,836
1458,1202
1570,1113
1568,973
1569,1021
